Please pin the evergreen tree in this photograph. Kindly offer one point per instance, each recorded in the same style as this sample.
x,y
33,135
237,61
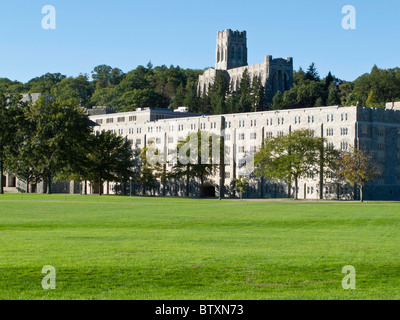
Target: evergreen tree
x,y
277,101
244,93
312,73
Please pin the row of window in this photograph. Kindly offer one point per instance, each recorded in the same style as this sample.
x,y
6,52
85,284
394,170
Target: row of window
x,y
343,132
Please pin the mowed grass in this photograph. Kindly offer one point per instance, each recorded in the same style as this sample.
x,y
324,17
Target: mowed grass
x,y
156,248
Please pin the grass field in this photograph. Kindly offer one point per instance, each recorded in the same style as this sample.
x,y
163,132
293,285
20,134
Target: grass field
x,y
155,248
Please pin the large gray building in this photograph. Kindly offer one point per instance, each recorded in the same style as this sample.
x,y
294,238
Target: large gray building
x,y
231,59
244,133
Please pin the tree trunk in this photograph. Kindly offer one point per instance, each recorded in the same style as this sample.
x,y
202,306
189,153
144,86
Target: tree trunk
x,y
201,186
321,173
85,187
187,184
296,188
100,186
27,186
49,183
361,193
1,174
288,188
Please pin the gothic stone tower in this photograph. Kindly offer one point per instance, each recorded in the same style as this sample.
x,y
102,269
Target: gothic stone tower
x,y
231,50
231,58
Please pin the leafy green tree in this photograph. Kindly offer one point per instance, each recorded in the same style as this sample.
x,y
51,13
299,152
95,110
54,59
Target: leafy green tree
x,y
357,167
196,158
45,83
333,96
240,185
110,158
288,157
60,128
78,89
107,76
7,126
151,167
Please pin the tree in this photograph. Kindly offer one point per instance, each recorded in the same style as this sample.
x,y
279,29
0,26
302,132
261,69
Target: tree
x,y
198,157
78,89
278,101
288,157
257,94
60,129
151,167
105,75
241,185
312,73
218,92
357,167
7,126
21,156
244,93
326,161
333,96
110,159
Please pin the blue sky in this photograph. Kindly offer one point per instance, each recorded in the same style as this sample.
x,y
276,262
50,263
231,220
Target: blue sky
x,y
128,33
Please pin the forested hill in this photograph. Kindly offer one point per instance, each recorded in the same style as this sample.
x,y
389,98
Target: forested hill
x,y
171,87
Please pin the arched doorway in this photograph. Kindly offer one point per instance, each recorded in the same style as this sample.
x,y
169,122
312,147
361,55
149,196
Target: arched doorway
x,y
209,190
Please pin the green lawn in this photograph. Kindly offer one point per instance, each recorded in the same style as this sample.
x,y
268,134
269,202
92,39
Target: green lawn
x,y
155,248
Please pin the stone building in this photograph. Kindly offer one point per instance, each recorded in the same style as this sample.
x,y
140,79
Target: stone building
x,y
244,133
231,58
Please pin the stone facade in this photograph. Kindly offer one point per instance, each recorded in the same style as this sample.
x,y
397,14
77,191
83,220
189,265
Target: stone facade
x,y
244,133
231,58
366,128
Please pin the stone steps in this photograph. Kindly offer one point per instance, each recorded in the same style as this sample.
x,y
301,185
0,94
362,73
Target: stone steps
x,y
10,190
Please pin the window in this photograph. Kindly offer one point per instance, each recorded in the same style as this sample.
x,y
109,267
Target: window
x,y
329,132
253,149
99,121
253,135
170,139
132,118
241,149
110,120
139,130
121,119
269,134
227,137
344,131
241,136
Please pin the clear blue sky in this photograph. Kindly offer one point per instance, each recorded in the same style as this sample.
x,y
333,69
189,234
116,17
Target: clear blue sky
x,y
128,33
